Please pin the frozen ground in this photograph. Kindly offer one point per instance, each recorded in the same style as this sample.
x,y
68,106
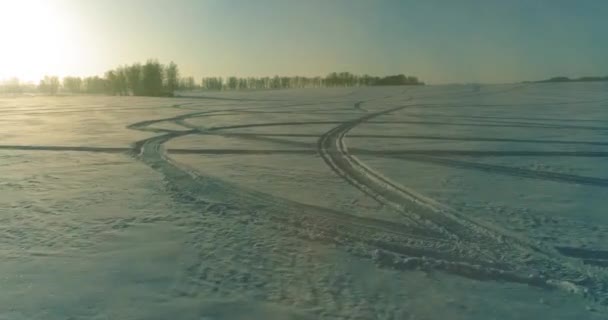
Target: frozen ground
x,y
438,202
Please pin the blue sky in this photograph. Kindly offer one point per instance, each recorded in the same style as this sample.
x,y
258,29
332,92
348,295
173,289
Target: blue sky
x,y
439,41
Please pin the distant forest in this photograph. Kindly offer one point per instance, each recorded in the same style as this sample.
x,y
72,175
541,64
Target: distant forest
x,y
566,79
156,79
334,79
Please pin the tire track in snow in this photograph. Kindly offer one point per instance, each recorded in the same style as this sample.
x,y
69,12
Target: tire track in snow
x,y
419,245
434,238
409,155
326,225
333,150
487,153
493,121
520,260
426,137
496,124
510,171
66,148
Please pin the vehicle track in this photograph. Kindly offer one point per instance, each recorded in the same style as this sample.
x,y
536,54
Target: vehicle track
x,y
431,236
151,151
329,225
496,124
517,256
410,155
527,120
364,236
531,124
66,148
428,137
333,150
510,171
486,153
458,267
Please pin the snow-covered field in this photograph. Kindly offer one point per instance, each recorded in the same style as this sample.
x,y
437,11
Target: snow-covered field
x,y
437,202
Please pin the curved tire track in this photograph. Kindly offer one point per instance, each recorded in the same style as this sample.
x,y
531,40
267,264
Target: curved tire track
x,y
433,236
518,258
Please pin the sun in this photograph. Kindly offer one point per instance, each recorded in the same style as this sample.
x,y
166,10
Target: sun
x,y
36,39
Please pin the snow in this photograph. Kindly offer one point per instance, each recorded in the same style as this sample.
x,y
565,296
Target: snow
x,y
436,202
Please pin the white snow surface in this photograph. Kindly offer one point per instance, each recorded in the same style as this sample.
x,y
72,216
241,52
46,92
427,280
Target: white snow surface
x,y
307,204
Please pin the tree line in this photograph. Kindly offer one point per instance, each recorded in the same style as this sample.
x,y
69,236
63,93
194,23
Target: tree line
x,y
155,79
567,79
334,79
149,79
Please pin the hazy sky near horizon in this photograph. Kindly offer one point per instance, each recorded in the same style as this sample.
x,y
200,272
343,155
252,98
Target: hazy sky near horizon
x,y
440,41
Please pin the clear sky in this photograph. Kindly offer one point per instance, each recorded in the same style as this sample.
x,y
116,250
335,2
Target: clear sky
x,y
438,40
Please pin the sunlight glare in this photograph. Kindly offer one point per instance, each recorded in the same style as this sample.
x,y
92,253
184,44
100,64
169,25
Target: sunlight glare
x,y
36,40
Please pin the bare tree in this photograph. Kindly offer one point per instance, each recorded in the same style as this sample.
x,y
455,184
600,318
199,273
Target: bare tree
x,y
72,84
133,75
12,85
152,76
50,85
95,85
172,77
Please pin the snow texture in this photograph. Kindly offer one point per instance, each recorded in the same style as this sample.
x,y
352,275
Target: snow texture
x,y
435,202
